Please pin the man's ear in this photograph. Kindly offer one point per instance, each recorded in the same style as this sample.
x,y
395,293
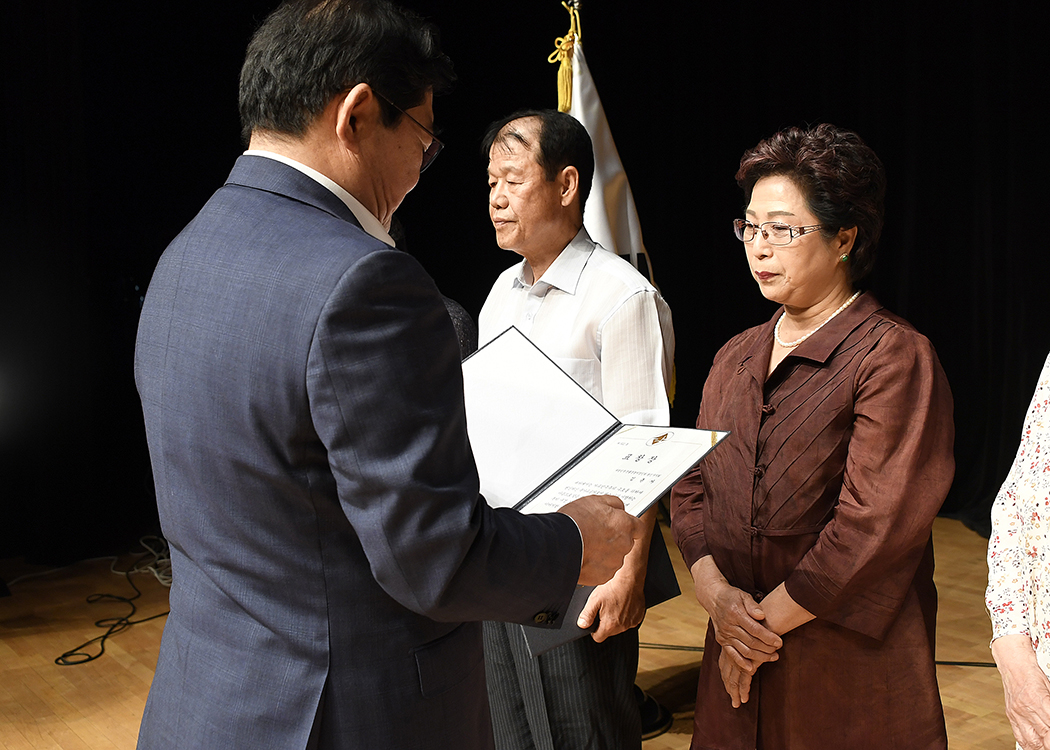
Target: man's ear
x,y
569,184
355,112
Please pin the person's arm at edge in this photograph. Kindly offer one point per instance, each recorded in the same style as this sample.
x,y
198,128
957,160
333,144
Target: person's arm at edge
x,y
1026,691
1025,687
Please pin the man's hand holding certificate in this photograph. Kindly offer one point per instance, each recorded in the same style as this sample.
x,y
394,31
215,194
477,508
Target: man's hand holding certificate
x,y
600,519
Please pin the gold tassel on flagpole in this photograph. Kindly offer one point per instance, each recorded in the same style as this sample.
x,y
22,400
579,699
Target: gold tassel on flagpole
x,y
562,53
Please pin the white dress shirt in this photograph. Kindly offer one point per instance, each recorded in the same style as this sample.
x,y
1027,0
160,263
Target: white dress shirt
x,y
599,319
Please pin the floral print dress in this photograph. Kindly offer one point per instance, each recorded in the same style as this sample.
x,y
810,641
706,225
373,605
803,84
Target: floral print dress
x,y
1017,550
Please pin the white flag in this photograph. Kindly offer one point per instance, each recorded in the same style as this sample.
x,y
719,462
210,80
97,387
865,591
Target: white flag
x,y
610,216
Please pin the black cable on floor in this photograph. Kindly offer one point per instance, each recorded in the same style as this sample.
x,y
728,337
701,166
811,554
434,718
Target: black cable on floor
x,y
964,663
113,626
669,647
155,561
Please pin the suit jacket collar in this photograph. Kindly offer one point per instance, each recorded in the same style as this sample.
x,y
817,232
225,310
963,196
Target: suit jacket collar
x,y
262,173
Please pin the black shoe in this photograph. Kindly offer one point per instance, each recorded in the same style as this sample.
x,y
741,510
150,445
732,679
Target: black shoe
x,y
656,718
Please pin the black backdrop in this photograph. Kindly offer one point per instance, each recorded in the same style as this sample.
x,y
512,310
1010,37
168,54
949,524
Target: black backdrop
x,y
120,119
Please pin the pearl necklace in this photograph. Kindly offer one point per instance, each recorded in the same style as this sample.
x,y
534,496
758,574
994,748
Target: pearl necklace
x,y
796,342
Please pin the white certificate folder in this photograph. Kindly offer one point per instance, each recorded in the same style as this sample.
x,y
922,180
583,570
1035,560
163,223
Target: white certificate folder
x,y
540,440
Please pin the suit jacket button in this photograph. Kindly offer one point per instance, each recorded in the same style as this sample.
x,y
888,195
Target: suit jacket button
x,y
540,618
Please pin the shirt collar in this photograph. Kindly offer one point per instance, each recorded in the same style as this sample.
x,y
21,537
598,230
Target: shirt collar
x,y
368,222
564,272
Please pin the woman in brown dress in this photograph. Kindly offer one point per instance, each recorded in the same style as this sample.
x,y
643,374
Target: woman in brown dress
x,y
808,532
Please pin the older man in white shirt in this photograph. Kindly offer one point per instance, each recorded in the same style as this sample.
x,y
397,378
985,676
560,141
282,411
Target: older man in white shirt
x,y
604,324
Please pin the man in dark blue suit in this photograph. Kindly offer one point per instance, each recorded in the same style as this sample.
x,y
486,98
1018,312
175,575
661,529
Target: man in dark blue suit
x,y
303,404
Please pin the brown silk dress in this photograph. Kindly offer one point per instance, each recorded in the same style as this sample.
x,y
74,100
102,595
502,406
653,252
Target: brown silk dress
x,y
835,469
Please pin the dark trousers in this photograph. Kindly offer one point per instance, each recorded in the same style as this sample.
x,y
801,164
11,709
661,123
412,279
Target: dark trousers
x,y
579,696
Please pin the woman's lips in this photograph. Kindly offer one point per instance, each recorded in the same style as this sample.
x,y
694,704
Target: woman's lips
x,y
764,275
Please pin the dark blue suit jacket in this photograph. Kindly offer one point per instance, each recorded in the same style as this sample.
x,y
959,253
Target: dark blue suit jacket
x,y
301,387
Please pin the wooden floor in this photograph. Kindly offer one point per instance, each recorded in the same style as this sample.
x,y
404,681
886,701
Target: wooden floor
x,y
96,706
